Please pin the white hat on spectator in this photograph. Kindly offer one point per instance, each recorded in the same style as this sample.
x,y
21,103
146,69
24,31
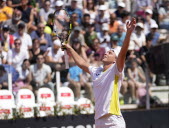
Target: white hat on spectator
x,y
121,4
139,24
149,11
57,42
153,25
59,3
105,27
102,7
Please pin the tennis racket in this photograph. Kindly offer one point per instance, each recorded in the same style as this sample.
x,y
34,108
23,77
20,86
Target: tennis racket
x,y
62,28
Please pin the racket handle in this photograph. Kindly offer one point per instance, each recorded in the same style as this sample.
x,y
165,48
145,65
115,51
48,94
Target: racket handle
x,y
66,60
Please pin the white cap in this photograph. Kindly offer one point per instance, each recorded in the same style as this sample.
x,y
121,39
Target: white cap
x,y
149,11
153,25
57,42
59,3
116,51
121,4
139,24
105,27
102,7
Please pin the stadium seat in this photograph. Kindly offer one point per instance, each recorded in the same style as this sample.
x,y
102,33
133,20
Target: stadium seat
x,y
85,105
7,104
65,101
45,102
25,101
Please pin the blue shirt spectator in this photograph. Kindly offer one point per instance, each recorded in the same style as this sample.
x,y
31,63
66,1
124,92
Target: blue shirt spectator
x,y
75,72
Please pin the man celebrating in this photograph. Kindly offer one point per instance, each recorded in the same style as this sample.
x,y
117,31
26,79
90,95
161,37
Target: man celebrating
x,y
107,82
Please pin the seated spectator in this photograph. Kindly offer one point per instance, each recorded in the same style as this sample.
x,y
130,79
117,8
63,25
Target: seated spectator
x,y
121,34
104,36
45,11
125,16
35,51
3,78
5,11
85,22
7,40
120,9
76,82
136,80
41,74
24,77
3,55
155,34
44,38
17,55
54,53
23,36
90,35
114,23
14,21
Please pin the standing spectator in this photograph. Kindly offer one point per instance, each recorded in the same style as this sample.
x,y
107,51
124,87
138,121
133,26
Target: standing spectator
x,y
41,74
45,11
73,8
44,38
23,36
24,78
17,55
5,11
6,39
13,23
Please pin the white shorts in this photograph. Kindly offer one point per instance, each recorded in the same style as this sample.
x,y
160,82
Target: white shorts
x,y
110,121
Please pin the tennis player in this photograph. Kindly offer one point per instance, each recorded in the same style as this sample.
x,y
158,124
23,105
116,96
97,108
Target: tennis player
x,y
107,82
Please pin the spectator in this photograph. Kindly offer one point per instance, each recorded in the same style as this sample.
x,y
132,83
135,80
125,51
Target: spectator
x,y
44,38
90,35
3,78
24,77
120,10
76,82
148,21
41,74
17,55
6,39
73,8
113,23
76,34
86,22
23,36
14,21
45,11
91,10
136,80
54,53
104,36
27,15
74,20
5,11
155,34
121,34
35,51
125,16
3,55
102,17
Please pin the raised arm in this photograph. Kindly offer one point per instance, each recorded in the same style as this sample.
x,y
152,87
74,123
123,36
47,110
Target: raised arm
x,y
78,59
122,55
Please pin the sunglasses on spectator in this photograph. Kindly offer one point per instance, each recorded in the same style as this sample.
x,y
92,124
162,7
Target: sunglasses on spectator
x,y
17,43
40,58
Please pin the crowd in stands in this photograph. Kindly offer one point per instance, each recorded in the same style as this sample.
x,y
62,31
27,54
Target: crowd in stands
x,y
27,44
